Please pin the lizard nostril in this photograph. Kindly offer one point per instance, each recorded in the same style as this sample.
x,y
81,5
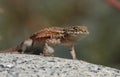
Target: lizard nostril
x,y
84,31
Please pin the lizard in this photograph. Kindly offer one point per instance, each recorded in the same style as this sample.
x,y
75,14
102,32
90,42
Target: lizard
x,y
41,42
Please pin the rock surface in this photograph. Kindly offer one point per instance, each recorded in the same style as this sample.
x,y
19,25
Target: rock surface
x,y
22,65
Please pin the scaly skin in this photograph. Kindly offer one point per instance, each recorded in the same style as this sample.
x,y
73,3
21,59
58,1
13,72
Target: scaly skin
x,y
42,41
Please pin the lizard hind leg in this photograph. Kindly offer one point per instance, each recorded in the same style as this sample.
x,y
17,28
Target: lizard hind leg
x,y
27,43
48,50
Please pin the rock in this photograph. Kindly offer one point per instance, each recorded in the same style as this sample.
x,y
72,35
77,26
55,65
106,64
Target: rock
x,y
23,65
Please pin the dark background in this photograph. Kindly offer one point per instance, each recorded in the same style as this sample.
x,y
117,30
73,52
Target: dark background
x,y
20,18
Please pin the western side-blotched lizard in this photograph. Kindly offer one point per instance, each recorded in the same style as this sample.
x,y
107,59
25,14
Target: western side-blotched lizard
x,y
42,42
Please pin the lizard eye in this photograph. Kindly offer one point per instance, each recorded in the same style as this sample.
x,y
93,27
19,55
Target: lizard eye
x,y
75,28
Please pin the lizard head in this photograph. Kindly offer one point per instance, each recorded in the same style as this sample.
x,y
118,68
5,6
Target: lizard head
x,y
77,30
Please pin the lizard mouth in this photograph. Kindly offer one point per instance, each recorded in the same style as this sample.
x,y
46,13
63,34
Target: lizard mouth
x,y
81,33
87,33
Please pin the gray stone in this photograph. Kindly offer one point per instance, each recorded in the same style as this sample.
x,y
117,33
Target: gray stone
x,y
23,65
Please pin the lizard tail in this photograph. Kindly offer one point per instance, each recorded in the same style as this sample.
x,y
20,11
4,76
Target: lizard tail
x,y
10,50
20,48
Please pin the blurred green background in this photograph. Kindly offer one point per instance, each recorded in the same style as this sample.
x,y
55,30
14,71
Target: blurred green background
x,y
20,18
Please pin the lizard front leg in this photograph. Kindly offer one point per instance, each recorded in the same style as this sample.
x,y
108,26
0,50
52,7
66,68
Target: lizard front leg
x,y
72,52
48,50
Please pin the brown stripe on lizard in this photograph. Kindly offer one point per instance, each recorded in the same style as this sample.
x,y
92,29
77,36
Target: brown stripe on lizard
x,y
42,41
